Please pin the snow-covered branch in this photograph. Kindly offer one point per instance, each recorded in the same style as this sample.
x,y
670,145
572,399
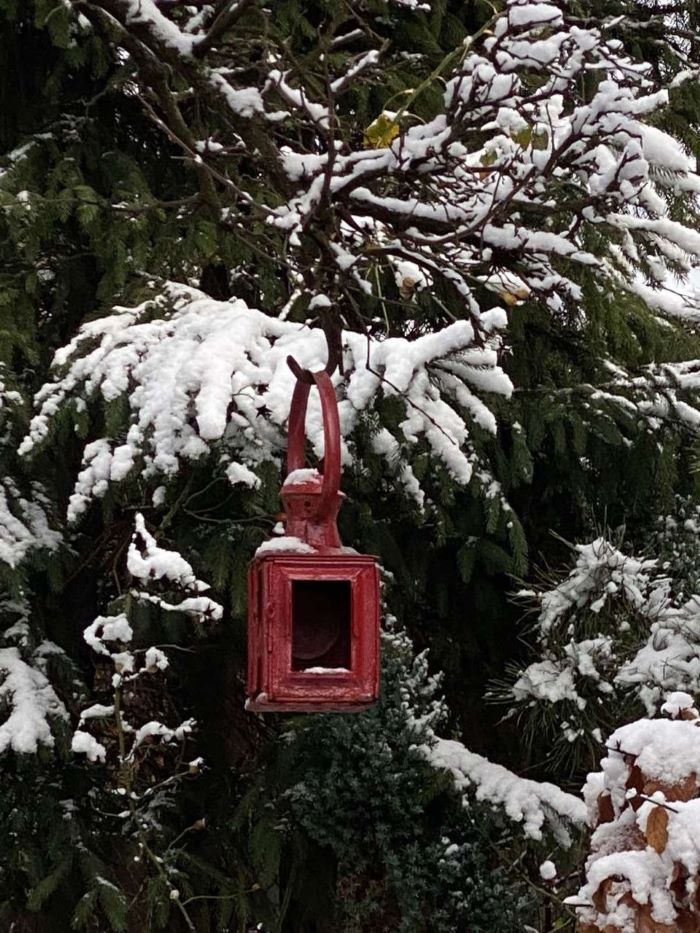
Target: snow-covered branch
x,y
202,375
533,804
28,704
618,632
513,174
111,637
24,525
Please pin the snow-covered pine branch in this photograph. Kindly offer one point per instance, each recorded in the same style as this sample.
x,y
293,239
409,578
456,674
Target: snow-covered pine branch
x,y
30,708
535,807
28,704
24,523
518,185
148,562
204,375
534,810
615,636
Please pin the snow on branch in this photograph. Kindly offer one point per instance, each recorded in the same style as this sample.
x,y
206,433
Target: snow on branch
x,y
24,524
156,563
535,806
665,392
510,177
147,561
28,704
112,637
617,629
531,803
202,374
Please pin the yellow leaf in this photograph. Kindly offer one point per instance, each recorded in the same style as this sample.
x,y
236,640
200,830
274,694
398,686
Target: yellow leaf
x,y
382,131
511,298
538,139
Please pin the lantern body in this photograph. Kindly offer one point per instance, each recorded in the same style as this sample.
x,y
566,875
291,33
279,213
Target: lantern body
x,y
313,605
313,632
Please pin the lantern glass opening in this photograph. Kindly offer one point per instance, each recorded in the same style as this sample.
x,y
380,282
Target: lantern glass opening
x,y
321,621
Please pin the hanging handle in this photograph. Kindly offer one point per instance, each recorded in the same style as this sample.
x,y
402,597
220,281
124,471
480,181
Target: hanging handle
x,y
331,429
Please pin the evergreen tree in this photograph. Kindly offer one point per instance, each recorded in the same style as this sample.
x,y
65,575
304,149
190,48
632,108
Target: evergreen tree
x,y
474,217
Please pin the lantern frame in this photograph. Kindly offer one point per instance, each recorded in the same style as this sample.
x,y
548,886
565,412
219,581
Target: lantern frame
x,y
273,684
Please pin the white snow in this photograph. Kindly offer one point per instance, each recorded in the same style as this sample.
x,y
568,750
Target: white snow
x,y
147,561
86,744
97,711
108,629
245,102
239,473
146,11
302,475
24,524
530,803
678,702
28,703
284,543
155,659
156,730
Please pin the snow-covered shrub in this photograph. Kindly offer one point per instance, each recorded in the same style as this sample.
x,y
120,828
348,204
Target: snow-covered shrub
x,y
643,872
674,543
31,711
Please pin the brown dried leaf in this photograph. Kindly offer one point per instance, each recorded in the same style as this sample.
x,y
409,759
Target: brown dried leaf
x,y
635,778
635,781
600,898
657,829
684,790
647,924
606,813
679,880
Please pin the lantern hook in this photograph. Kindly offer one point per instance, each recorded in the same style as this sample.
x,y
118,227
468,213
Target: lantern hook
x,y
302,375
331,430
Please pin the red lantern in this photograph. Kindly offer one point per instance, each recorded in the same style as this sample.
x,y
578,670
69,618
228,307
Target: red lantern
x,y
313,605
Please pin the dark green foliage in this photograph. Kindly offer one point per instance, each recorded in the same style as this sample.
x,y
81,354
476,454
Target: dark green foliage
x,y
322,824
349,829
364,793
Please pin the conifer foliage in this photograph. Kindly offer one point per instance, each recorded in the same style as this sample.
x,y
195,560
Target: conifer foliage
x,y
480,218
